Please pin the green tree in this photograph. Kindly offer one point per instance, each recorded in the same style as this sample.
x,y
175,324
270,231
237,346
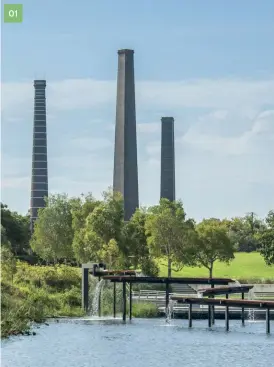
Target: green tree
x,y
83,247
17,230
106,220
110,254
135,247
4,239
243,232
212,243
165,228
53,234
103,226
8,263
81,208
266,239
87,247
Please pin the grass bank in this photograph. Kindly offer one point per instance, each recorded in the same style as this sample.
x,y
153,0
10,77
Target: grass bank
x,y
246,267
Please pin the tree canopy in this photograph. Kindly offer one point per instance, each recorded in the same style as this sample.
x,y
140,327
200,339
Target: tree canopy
x,y
266,239
83,229
16,230
166,229
212,243
53,234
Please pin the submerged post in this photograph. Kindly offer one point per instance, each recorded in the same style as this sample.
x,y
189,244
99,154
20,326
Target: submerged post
x,y
267,319
209,316
85,287
99,300
190,315
124,301
130,300
114,299
209,311
213,308
227,318
243,311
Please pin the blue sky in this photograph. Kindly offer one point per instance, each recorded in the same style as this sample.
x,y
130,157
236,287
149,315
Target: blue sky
x,y
210,64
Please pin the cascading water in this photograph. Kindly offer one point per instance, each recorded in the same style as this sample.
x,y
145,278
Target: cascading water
x,y
96,298
170,311
251,311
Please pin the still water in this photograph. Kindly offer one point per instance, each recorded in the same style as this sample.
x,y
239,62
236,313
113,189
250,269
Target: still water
x,y
142,343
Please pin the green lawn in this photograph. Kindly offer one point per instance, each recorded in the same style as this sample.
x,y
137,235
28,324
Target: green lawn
x,y
245,266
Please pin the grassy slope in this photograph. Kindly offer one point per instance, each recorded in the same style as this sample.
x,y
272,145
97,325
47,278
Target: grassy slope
x,y
246,266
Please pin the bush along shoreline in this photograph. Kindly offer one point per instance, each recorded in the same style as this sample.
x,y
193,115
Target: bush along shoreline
x,y
37,293
33,294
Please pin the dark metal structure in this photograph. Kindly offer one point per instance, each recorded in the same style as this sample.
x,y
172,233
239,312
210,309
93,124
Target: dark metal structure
x,y
267,305
99,271
125,175
167,189
39,177
212,292
134,279
225,290
129,276
167,281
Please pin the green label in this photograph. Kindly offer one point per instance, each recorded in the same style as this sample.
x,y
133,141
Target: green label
x,y
13,13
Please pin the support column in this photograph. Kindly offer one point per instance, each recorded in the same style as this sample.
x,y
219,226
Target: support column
x,y
267,319
190,315
130,300
227,318
213,308
243,311
209,316
85,289
114,299
124,301
99,301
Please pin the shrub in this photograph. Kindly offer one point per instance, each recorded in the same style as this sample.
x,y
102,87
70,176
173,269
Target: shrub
x,y
72,297
145,310
57,278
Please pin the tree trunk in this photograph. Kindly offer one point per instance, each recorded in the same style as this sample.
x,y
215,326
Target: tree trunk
x,y
169,268
210,271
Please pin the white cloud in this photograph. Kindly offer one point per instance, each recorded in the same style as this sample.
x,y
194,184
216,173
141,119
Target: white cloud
x,y
16,182
153,148
226,151
91,144
231,145
148,128
14,166
89,93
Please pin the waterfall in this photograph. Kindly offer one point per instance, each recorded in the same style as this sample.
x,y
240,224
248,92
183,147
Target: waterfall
x,y
251,311
96,297
170,311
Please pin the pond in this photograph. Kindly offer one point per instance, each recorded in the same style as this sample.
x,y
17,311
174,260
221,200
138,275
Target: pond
x,y
141,343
